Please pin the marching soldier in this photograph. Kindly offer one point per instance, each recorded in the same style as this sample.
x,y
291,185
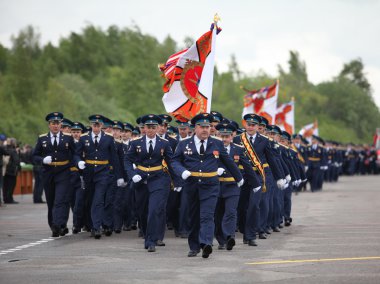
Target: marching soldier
x,y
197,161
259,150
150,181
95,154
315,155
226,208
55,150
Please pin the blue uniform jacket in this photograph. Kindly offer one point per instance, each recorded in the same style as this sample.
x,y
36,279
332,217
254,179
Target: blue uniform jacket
x,y
316,158
106,151
186,157
64,152
263,149
138,154
237,153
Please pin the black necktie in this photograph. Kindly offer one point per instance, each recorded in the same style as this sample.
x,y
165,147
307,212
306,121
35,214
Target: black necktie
x,y
202,148
251,140
96,141
55,143
227,150
150,147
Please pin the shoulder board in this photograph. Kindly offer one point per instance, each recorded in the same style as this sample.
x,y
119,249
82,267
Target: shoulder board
x,y
293,150
118,140
217,138
84,134
187,138
173,136
286,147
42,135
109,134
164,139
67,134
264,136
237,145
136,138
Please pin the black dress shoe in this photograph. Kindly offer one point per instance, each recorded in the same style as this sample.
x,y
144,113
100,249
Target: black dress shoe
x,y
276,229
108,232
184,236
134,227
55,233
245,241
287,223
127,228
192,253
230,243
151,249
252,243
268,231
160,243
117,231
75,230
97,234
170,226
63,231
141,234
206,251
280,226
262,236
39,202
221,247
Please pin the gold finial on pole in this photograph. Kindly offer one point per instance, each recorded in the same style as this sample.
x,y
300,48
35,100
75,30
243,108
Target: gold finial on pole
x,y
216,18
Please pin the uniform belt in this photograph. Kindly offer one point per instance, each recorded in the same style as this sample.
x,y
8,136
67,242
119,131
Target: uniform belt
x,y
150,169
62,163
254,168
226,179
207,175
265,165
74,169
96,162
314,159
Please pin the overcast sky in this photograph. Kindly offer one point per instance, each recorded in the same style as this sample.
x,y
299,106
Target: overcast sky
x,y
326,33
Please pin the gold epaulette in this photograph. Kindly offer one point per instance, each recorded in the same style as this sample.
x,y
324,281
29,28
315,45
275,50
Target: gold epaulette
x,y
106,133
173,136
42,135
240,146
216,137
136,138
67,134
84,134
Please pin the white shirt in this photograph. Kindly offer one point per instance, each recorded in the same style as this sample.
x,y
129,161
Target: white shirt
x,y
52,138
198,143
228,149
253,137
315,146
148,144
93,136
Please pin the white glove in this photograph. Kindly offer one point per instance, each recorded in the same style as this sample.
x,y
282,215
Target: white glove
x,y
134,166
281,183
306,168
322,167
81,165
240,183
294,183
299,182
221,171
256,189
305,180
286,185
186,174
120,182
136,178
178,189
47,160
326,168
288,178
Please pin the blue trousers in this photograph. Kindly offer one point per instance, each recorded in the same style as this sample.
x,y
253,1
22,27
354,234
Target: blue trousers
x,y
57,189
266,199
151,209
183,216
119,204
202,210
109,200
225,218
288,202
96,188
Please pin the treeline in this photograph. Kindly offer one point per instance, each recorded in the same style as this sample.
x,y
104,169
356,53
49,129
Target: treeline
x,y
114,72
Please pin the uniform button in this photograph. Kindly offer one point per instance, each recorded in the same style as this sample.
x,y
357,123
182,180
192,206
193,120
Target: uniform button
x,y
199,180
150,158
200,171
55,158
96,150
148,174
201,161
96,166
55,151
96,157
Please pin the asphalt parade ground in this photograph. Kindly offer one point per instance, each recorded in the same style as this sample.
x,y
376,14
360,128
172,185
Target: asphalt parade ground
x,y
334,238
